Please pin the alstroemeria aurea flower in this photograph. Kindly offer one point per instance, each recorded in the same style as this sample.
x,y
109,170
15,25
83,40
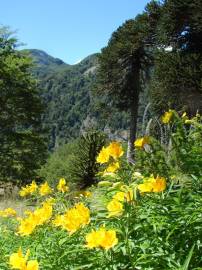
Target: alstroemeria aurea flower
x,y
153,184
101,238
103,156
167,117
115,150
45,189
62,186
141,142
18,261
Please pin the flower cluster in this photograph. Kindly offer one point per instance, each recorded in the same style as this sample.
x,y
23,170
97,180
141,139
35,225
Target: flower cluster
x,y
152,184
18,261
74,218
38,217
114,151
115,206
101,238
44,189
8,212
28,189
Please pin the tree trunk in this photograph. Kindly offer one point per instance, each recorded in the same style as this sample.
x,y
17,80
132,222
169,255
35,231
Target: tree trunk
x,y
133,116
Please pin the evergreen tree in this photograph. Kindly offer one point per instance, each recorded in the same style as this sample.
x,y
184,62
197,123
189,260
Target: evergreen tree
x,y
123,64
178,60
83,166
22,147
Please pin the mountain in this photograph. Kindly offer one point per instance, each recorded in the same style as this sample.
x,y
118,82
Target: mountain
x,y
70,106
65,90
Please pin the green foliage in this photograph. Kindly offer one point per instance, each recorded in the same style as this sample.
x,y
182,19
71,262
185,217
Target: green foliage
x,y
58,164
179,149
75,161
83,167
177,79
22,148
122,67
70,105
66,93
180,25
156,230
177,73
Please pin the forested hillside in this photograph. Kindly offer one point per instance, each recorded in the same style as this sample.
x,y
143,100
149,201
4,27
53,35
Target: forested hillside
x,y
70,105
65,92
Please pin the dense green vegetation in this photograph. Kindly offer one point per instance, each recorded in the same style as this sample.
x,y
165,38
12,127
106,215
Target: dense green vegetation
x,y
22,147
75,161
142,216
65,93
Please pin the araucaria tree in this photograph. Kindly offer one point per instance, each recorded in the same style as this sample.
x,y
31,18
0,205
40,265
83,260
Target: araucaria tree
x,y
178,61
22,145
124,63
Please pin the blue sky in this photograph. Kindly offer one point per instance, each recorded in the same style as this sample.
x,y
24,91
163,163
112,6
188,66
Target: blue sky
x,y
67,29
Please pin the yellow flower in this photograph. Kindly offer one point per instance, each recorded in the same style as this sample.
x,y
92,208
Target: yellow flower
x,y
115,150
152,184
45,189
124,196
34,219
8,212
24,192
32,187
140,142
159,184
43,214
145,187
58,221
18,261
74,218
109,240
101,238
28,189
167,117
26,226
115,208
93,239
32,265
62,186
103,156
113,167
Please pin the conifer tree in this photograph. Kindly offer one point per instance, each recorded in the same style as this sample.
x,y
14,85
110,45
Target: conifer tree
x,y
178,60
123,64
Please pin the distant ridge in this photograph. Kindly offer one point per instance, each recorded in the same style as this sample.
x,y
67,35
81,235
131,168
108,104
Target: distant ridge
x,y
65,90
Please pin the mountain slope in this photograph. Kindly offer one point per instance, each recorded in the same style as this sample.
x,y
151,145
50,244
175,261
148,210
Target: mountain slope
x,y
66,93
